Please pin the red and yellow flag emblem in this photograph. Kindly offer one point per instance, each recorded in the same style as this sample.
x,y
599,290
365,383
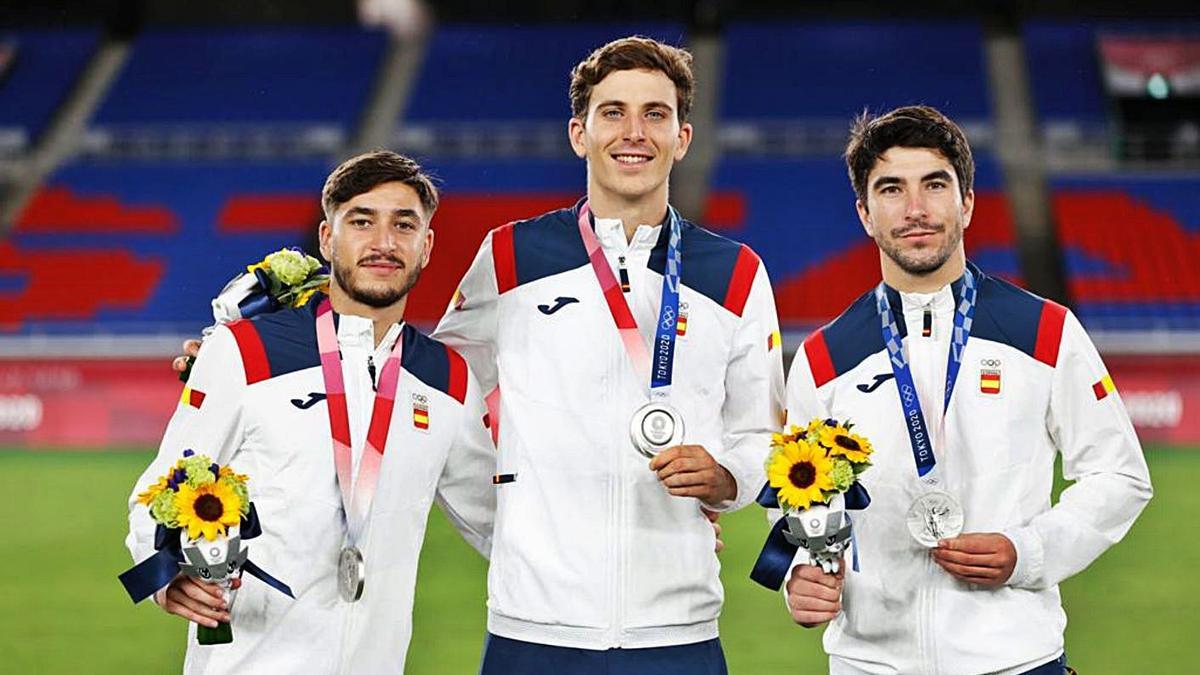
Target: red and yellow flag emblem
x,y
681,325
774,340
192,397
1104,387
421,416
989,381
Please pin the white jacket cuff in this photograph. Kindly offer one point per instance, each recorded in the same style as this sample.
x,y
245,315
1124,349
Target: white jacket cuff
x,y
1031,556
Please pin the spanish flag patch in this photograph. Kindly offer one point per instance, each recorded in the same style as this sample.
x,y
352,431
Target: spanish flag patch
x,y
192,397
989,381
421,416
1104,387
774,340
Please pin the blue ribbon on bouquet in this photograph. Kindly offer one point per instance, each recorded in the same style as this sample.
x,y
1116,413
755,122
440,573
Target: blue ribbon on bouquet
x,y
777,554
145,578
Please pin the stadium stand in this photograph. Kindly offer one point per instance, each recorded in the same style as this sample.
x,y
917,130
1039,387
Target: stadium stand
x,y
874,65
37,70
212,86
142,247
490,73
1130,243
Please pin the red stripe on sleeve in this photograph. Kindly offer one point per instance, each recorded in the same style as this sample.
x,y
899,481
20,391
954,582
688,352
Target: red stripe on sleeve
x,y
819,361
503,258
254,355
458,375
741,280
1049,335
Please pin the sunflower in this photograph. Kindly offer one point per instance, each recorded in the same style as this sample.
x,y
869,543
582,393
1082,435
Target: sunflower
x,y
842,443
208,509
801,472
153,491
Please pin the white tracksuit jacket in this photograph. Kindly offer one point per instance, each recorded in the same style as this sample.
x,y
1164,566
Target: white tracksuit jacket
x,y
901,612
258,415
590,550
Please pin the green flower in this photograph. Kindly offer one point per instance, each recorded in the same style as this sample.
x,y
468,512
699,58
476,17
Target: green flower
x,y
290,267
842,474
239,488
164,510
199,470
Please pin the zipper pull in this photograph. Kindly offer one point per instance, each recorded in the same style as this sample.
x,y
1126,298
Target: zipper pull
x,y
371,372
623,273
927,324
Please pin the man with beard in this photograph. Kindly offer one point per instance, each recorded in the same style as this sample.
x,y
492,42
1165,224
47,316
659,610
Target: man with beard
x,y
406,419
967,387
639,374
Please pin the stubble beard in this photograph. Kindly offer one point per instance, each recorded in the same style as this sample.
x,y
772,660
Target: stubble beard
x,y
378,298
922,263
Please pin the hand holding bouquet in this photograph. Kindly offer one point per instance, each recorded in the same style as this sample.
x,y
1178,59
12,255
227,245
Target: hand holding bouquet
x,y
203,512
812,474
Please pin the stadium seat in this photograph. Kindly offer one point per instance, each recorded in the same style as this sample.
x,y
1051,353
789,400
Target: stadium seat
x,y
37,70
1129,249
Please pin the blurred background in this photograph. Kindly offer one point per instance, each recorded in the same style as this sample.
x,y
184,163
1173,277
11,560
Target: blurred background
x,y
150,149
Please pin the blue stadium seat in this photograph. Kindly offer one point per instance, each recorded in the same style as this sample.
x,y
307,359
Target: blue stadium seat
x,y
832,70
477,73
37,70
301,76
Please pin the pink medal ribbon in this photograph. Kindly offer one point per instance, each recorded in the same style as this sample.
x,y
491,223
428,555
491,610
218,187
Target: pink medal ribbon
x,y
357,501
621,314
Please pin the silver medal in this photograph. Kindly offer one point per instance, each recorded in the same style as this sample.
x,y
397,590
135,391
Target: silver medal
x,y
654,428
934,516
351,573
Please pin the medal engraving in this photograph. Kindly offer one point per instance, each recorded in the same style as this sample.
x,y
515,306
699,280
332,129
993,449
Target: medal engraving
x,y
934,516
351,573
654,428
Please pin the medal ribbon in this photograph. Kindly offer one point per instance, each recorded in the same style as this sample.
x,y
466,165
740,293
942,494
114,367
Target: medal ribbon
x,y
914,417
661,367
356,499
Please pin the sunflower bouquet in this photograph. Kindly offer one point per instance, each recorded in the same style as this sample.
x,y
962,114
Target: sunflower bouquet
x,y
286,278
813,476
203,512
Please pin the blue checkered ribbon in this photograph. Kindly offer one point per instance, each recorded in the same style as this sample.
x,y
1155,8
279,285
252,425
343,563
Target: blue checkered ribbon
x,y
914,417
663,353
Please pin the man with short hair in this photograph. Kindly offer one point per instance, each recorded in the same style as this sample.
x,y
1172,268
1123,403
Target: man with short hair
x,y
967,387
603,559
268,406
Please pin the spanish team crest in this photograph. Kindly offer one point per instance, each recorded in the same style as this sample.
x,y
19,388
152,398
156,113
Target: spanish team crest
x,y
420,412
989,377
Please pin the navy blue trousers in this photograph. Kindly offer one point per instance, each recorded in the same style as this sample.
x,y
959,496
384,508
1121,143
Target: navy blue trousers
x,y
1056,667
502,656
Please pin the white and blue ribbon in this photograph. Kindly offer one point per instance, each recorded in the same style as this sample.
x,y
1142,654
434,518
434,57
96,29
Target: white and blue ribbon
x,y
914,418
662,357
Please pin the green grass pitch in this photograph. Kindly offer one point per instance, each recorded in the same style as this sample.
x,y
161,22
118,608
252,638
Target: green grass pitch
x,y
1137,610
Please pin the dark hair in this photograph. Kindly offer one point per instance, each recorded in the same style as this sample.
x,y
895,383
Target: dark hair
x,y
363,173
633,53
917,126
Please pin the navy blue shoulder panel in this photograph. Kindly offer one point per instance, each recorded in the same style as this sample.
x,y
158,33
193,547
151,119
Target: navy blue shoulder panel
x,y
289,338
1007,314
432,362
708,259
547,245
856,334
